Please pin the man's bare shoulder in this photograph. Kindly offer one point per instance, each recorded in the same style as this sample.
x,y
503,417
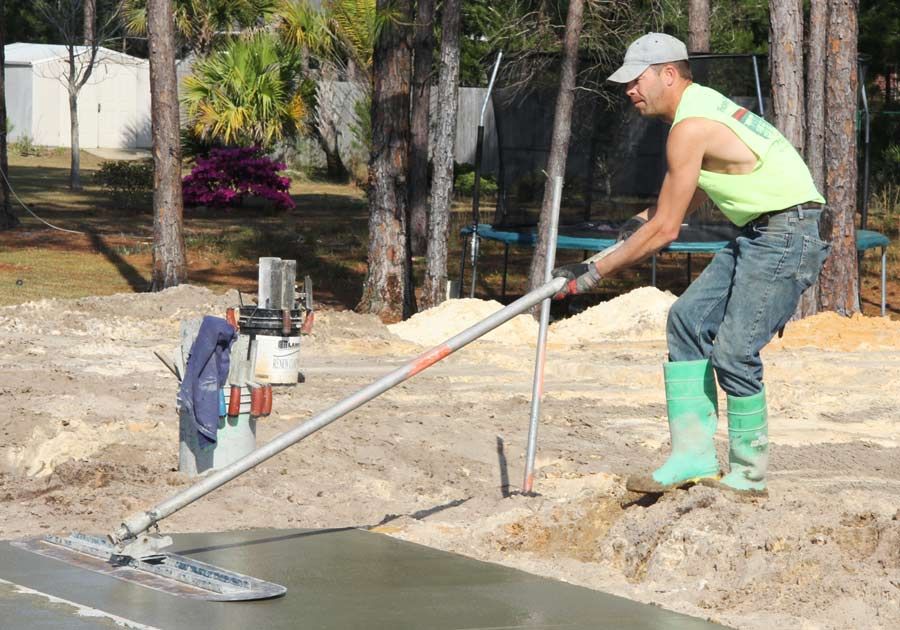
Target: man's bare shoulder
x,y
688,128
721,149
688,137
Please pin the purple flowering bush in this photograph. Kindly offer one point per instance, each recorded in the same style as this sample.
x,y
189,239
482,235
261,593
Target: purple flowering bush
x,y
228,175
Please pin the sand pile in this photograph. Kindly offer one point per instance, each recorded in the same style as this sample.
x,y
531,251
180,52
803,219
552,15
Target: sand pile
x,y
637,315
830,331
438,324
75,440
119,317
351,332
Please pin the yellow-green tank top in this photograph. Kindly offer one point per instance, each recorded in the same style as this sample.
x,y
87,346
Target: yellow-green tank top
x,y
780,179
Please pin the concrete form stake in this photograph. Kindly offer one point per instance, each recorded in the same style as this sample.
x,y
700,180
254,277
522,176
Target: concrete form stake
x,y
537,388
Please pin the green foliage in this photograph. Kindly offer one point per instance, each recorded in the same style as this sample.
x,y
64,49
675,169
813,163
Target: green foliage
x,y
26,147
343,32
885,138
199,22
246,93
736,26
879,33
194,146
22,22
890,164
474,47
129,181
530,33
464,182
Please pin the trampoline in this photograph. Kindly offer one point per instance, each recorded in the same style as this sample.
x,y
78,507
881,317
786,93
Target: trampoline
x,y
615,164
869,239
595,237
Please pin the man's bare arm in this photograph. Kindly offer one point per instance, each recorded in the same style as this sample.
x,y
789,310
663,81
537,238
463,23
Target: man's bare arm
x,y
700,197
677,197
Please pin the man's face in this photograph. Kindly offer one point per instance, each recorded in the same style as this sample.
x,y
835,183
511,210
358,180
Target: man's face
x,y
646,92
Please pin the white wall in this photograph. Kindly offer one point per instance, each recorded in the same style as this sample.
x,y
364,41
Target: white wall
x,y
19,101
141,121
113,106
49,105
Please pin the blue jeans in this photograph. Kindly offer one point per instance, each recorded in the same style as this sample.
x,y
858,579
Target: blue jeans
x,y
745,295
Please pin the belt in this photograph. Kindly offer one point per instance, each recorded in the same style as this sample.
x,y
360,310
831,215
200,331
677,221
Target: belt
x,y
793,210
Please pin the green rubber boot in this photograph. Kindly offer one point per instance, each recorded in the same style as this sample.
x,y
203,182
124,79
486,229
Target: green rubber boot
x,y
748,439
692,406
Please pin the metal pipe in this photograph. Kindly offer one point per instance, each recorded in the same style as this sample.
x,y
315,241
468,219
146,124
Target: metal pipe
x,y
505,269
139,522
537,387
762,108
864,219
462,267
476,189
490,88
476,209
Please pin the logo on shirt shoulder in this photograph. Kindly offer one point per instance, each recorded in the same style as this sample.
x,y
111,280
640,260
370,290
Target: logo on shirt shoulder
x,y
754,123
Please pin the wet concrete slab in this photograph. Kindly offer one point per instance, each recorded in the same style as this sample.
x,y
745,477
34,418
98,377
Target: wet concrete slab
x,y
336,579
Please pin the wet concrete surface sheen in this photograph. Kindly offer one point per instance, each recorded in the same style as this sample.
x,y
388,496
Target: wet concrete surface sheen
x,y
336,579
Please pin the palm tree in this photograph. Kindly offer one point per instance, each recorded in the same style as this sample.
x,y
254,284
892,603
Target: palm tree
x,y
199,21
342,32
341,37
246,93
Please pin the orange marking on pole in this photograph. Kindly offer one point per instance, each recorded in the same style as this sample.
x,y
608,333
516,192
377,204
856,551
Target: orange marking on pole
x,y
429,358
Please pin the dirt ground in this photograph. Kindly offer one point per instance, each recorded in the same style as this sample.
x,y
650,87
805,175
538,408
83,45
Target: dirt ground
x,y
91,436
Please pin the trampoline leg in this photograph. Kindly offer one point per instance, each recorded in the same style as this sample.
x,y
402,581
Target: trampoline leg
x,y
462,266
859,260
689,268
475,248
505,268
653,271
883,281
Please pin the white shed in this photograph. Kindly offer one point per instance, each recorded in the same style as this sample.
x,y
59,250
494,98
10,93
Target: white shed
x,y
113,106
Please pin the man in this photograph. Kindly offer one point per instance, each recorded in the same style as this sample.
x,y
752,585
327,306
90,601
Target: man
x,y
720,151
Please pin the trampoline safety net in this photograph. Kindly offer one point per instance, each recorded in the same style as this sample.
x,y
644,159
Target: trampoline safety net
x,y
616,159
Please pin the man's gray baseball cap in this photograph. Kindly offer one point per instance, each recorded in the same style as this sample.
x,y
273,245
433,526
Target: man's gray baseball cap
x,y
647,50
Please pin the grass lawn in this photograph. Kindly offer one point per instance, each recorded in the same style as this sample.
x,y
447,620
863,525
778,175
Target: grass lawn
x,y
326,233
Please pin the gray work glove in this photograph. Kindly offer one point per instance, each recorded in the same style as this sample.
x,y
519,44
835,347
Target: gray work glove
x,y
581,277
631,226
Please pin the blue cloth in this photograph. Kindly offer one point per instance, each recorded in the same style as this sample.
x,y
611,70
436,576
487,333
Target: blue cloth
x,y
205,375
744,296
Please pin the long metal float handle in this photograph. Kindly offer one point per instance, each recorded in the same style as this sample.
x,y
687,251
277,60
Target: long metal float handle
x,y
140,522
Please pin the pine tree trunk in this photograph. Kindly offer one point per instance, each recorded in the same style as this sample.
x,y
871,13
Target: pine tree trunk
x,y
562,129
434,289
75,142
169,266
698,26
814,142
815,91
7,218
786,57
786,60
387,290
839,283
90,20
423,51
